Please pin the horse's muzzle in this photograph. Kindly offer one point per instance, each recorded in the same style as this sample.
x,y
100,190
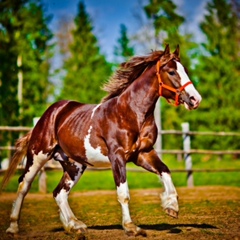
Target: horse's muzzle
x,y
190,102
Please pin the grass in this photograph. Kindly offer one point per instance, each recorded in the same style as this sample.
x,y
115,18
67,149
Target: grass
x,y
103,180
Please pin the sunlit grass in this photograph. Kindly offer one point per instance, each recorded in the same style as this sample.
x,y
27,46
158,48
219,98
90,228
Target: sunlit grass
x,y
103,180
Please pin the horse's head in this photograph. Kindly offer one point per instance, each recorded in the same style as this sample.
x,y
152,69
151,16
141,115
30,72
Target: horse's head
x,y
174,82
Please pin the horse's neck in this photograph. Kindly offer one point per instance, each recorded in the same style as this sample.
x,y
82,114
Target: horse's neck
x,y
142,94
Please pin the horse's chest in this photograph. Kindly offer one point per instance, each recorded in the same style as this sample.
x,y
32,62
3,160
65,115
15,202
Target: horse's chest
x,y
94,154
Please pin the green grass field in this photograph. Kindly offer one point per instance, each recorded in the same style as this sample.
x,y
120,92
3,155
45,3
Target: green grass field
x,y
103,180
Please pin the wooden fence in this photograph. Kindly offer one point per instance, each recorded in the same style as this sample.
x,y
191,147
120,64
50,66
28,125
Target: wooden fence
x,y
186,151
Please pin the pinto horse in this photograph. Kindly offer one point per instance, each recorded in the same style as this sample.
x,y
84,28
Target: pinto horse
x,y
119,130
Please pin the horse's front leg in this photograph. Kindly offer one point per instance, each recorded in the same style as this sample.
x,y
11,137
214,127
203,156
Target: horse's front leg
x,y
151,162
119,173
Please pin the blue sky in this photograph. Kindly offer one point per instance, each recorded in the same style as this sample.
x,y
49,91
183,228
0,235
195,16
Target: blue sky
x,y
107,15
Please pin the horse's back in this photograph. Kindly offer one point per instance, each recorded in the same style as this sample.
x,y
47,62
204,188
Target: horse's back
x,y
44,134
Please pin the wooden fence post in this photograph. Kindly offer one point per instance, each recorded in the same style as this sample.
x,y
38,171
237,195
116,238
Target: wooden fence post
x,y
187,155
42,182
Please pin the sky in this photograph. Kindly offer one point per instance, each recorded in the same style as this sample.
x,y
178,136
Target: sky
x,y
107,15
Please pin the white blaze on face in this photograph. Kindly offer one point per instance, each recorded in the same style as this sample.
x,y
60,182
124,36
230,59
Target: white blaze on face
x,y
190,89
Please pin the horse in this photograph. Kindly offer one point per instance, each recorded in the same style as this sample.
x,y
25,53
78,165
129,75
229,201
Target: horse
x,y
118,130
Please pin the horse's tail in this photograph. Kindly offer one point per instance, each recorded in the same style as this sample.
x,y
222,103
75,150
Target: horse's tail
x,y
20,153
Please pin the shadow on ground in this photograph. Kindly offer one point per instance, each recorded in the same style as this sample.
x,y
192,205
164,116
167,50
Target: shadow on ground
x,y
173,228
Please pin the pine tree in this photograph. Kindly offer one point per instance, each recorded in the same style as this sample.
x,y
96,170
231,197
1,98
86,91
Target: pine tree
x,y
123,50
163,15
86,68
218,74
167,22
24,55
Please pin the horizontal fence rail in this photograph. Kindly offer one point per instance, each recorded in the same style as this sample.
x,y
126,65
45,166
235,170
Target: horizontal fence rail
x,y
186,152
200,151
191,133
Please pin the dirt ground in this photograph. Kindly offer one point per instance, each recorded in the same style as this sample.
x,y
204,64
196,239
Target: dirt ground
x,y
205,213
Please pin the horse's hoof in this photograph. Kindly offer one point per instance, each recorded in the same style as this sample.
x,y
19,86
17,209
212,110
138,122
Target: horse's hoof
x,y
137,232
76,226
80,236
13,228
132,230
81,231
141,232
171,212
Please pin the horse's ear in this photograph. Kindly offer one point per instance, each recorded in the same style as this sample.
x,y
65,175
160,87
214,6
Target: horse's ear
x,y
177,51
167,50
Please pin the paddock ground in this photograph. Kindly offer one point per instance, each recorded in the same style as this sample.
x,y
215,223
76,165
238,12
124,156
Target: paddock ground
x,y
205,213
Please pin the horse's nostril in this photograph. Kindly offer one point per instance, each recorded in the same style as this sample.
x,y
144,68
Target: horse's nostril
x,y
192,98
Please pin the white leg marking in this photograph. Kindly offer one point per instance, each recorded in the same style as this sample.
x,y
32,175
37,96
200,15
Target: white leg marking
x,y
38,162
124,198
169,196
67,217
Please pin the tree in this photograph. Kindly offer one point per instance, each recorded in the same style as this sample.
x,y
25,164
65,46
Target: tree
x,y
218,74
123,50
86,68
24,68
166,23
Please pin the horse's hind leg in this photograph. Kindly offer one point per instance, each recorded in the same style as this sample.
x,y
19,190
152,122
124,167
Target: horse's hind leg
x,y
72,173
34,164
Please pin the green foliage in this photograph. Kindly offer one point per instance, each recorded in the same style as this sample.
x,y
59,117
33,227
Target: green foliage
x,y
24,36
24,54
217,73
165,18
86,68
213,65
123,49
167,23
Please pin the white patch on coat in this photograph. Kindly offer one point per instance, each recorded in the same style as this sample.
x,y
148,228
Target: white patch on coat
x,y
38,162
190,89
93,111
94,155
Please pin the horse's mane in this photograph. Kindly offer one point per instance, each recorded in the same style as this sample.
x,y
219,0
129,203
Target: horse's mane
x,y
129,71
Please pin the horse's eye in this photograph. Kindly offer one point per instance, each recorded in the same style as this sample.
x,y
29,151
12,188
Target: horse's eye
x,y
172,73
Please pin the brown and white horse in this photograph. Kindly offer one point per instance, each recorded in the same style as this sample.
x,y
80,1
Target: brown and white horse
x,y
119,130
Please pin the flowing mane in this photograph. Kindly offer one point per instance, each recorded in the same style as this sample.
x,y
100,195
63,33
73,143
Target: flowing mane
x,y
130,71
